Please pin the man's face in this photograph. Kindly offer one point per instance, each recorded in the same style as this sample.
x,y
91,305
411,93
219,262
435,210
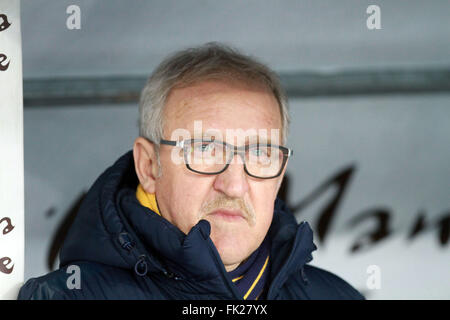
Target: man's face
x,y
238,207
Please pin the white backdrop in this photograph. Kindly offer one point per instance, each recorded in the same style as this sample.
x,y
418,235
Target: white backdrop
x,y
11,152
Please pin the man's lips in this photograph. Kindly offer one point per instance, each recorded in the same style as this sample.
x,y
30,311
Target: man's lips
x,y
227,214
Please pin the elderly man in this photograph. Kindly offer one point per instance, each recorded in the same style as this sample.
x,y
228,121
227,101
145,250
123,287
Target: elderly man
x,y
191,212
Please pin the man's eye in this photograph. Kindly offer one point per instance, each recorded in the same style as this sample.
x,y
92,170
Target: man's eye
x,y
204,147
259,152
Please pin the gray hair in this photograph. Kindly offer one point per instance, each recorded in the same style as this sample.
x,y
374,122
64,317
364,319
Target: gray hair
x,y
209,61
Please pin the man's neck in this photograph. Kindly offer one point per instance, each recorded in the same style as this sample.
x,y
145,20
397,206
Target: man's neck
x,y
231,267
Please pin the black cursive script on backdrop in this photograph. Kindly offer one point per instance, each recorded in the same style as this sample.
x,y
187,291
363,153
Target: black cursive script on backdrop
x,y
5,23
382,216
4,265
6,260
3,26
9,227
3,67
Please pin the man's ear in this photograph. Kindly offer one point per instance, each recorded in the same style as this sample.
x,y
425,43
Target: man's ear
x,y
145,163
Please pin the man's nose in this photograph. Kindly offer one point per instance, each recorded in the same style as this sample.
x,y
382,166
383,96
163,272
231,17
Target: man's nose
x,y
233,181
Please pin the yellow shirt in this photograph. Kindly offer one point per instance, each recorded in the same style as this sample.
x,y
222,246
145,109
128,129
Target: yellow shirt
x,y
147,199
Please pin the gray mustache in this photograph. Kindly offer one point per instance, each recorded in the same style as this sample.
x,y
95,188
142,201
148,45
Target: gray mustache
x,y
224,202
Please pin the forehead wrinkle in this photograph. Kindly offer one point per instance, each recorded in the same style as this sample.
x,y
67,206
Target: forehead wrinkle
x,y
188,106
195,93
191,105
212,125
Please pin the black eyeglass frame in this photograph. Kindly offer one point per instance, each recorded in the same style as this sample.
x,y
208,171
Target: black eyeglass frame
x,y
236,150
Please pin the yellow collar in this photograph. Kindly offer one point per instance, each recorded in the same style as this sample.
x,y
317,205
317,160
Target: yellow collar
x,y
147,199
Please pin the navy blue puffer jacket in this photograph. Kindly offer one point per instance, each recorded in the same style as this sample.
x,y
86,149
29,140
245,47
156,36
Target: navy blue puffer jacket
x,y
123,252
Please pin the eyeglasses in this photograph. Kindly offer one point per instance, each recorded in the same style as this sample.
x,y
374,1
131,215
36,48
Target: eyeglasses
x,y
263,161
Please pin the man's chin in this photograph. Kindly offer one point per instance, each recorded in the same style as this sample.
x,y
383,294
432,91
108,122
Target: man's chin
x,y
232,260
232,249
